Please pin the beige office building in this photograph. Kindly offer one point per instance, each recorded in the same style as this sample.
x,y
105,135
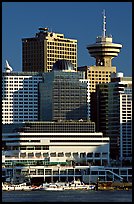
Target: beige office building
x,y
98,75
39,53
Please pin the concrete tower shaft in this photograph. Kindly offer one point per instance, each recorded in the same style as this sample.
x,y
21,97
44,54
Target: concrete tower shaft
x,y
104,50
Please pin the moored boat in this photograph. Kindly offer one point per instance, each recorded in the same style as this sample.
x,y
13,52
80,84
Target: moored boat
x,y
74,185
13,187
53,187
78,185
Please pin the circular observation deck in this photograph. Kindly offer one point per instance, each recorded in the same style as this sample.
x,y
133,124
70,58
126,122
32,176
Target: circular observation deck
x,y
104,50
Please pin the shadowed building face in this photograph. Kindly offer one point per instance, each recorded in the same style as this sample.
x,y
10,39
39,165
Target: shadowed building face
x,y
62,95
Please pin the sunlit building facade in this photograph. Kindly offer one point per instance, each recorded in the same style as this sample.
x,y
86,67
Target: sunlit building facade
x,y
20,96
114,115
39,53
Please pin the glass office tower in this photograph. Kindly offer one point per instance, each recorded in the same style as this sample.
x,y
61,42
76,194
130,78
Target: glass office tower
x,y
114,115
63,94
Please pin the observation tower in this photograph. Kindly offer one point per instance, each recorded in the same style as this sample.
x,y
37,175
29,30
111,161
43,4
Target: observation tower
x,y
104,50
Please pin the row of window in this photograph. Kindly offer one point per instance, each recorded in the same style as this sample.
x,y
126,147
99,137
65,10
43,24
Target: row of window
x,y
18,102
31,119
27,110
61,48
13,82
20,80
106,79
99,75
25,95
24,99
103,72
50,63
33,115
62,44
52,58
37,147
59,154
23,88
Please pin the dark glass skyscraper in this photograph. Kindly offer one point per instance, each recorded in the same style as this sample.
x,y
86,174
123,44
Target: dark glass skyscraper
x,y
63,94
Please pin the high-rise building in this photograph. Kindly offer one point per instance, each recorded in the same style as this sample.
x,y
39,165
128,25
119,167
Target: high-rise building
x,y
39,53
64,94
104,50
114,115
19,96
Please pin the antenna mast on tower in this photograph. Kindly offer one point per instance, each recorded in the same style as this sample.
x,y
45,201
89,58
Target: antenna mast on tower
x,y
104,24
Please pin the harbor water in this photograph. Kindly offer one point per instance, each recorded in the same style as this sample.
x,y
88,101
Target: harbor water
x,y
67,196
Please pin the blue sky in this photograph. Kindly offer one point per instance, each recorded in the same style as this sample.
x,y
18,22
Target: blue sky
x,y
76,20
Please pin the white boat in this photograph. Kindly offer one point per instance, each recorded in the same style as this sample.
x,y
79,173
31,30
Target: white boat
x,y
78,185
74,185
52,187
13,187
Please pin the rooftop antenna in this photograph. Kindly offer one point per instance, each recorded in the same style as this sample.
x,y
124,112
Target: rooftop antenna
x,y
104,24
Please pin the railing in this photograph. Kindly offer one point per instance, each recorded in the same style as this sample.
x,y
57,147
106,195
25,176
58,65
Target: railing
x,y
113,175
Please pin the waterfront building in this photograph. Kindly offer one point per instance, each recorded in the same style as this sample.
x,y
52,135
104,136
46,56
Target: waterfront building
x,y
39,53
46,144
64,94
56,142
114,115
19,95
39,174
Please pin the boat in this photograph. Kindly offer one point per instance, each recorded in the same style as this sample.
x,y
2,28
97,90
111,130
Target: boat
x,y
58,186
78,185
13,187
36,188
52,187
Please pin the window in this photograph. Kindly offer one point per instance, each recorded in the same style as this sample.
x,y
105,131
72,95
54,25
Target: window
x,y
60,154
97,154
53,154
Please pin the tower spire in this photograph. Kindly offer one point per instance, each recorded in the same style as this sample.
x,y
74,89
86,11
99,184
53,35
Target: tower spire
x,y
104,24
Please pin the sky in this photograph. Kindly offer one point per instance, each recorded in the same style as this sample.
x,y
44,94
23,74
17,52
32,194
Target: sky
x,y
76,20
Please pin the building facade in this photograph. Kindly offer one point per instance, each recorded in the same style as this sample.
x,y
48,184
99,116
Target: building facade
x,y
20,96
64,94
97,75
58,151
39,53
103,50
47,144
114,115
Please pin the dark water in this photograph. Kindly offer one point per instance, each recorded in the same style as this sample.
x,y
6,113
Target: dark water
x,y
67,196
